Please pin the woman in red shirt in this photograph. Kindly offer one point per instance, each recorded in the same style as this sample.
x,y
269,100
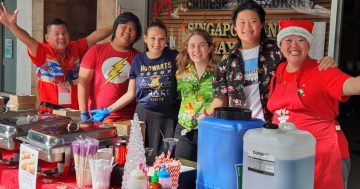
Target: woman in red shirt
x,y
309,98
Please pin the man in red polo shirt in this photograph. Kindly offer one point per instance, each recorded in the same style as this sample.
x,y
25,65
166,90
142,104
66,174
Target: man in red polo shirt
x,y
57,61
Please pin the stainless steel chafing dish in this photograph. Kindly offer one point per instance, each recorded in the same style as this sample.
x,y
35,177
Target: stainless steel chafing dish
x,y
15,124
5,131
54,142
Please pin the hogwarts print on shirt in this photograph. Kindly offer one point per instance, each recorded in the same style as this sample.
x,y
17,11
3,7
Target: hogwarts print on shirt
x,y
155,79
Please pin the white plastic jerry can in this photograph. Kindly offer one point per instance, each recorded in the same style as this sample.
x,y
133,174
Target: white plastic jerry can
x,y
279,158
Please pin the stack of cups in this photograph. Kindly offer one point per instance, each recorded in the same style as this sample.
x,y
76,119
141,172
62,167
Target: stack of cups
x,y
100,173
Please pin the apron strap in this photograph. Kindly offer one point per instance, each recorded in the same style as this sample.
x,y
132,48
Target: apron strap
x,y
272,85
273,80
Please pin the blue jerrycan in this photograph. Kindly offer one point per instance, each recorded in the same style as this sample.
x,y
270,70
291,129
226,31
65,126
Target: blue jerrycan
x,y
220,147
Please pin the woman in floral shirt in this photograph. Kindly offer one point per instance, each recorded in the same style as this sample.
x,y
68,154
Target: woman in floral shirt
x,y
194,83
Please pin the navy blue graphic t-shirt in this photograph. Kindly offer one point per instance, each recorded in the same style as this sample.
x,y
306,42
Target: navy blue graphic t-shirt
x,y
155,79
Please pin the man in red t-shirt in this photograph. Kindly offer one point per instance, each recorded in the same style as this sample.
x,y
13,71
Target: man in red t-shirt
x,y
57,61
104,71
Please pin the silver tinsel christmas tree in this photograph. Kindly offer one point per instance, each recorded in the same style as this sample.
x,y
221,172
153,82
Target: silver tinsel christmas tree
x,y
136,151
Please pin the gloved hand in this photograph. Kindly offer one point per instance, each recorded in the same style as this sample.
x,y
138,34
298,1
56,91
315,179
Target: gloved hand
x,y
99,115
84,116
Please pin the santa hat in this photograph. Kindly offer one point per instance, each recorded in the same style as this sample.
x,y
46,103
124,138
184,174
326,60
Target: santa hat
x,y
295,27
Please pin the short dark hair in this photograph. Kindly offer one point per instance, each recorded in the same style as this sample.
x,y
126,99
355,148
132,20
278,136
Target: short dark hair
x,y
248,5
55,21
253,6
157,23
124,18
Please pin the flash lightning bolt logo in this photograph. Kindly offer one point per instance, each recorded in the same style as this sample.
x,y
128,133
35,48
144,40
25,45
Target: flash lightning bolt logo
x,y
116,69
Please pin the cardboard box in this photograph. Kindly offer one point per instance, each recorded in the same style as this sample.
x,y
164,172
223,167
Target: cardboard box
x,y
22,99
22,107
123,128
67,112
2,102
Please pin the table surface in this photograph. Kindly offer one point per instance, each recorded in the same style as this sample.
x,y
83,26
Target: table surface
x,y
9,176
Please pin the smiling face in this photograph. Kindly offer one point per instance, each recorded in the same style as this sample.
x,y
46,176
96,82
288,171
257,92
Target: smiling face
x,y
295,49
125,34
155,40
248,28
58,37
198,49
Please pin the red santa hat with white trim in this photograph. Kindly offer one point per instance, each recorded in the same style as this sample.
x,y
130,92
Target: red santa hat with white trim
x,y
295,27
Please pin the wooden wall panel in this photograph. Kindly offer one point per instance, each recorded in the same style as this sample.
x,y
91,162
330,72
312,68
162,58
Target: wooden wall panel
x,y
324,3
79,15
177,26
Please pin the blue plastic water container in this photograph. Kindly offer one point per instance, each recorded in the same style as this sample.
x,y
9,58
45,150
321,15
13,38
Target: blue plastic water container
x,y
220,148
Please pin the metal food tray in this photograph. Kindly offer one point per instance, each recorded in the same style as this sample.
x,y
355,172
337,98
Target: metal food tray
x,y
53,141
14,124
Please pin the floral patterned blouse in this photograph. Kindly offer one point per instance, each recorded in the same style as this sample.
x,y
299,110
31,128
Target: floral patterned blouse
x,y
195,93
229,74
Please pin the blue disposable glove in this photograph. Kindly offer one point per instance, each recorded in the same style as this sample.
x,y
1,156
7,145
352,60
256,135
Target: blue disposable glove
x,y
84,116
99,115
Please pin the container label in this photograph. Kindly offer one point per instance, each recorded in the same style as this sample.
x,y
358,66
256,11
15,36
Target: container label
x,y
260,162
